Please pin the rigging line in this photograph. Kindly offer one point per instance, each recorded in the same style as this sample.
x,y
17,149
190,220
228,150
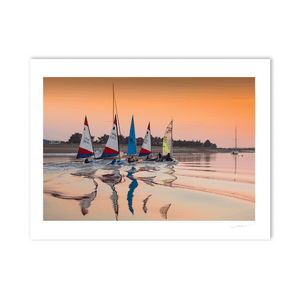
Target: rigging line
x,y
117,116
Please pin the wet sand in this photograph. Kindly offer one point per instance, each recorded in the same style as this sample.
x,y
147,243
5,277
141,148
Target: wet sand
x,y
200,187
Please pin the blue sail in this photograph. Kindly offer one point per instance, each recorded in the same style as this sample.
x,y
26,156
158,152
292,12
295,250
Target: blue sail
x,y
132,186
131,141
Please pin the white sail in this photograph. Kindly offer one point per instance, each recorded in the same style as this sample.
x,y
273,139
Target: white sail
x,y
112,148
167,140
86,146
146,147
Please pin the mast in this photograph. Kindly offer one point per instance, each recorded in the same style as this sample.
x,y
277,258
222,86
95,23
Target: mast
x,y
118,138
118,123
235,138
172,139
113,103
90,136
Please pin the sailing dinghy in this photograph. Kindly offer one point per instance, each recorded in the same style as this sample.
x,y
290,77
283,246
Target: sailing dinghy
x,y
168,144
167,140
146,147
112,146
86,146
131,150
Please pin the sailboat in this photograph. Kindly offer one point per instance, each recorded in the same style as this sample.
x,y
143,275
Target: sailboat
x,y
168,140
235,152
86,146
112,146
168,144
131,150
146,147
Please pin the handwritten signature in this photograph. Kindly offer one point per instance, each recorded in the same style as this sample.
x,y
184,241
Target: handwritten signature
x,y
236,226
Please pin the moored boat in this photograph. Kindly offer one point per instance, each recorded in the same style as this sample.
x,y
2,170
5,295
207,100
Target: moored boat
x,y
235,152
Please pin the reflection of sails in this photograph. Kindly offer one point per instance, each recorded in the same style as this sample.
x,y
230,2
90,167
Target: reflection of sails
x,y
85,201
145,202
133,185
114,197
111,180
147,180
168,182
164,210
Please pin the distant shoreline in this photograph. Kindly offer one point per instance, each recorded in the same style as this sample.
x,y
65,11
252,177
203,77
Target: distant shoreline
x,y
73,148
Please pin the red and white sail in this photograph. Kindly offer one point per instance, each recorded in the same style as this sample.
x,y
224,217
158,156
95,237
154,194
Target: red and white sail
x,y
146,147
112,147
86,146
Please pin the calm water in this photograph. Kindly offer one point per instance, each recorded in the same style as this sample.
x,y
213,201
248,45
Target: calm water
x,y
200,187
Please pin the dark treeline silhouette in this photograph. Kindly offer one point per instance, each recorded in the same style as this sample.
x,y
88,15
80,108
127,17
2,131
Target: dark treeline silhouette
x,y
155,141
75,138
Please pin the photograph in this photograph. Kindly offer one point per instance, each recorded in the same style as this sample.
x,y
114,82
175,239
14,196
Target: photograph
x,y
149,148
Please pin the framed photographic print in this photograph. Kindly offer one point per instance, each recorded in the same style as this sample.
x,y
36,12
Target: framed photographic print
x,y
150,149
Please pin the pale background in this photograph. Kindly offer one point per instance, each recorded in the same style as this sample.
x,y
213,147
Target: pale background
x,y
149,270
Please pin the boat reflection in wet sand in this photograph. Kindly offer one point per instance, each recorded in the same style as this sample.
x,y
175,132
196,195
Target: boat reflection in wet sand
x,y
132,186
84,201
164,210
112,179
145,202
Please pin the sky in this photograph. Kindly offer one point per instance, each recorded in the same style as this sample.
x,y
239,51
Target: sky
x,y
201,108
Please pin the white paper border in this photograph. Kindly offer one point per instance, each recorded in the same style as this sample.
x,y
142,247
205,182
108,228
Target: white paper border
x,y
152,230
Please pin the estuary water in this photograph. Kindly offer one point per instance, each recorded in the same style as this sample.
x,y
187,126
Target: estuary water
x,y
216,186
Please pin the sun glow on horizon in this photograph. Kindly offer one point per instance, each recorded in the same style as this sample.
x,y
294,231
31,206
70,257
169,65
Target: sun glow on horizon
x,y
202,108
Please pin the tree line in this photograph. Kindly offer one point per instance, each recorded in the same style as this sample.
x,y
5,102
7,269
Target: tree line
x,y
75,138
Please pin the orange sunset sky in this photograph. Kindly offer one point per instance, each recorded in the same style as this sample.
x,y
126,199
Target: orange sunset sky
x,y
202,108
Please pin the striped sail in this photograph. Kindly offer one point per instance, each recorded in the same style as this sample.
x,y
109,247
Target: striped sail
x,y
86,146
167,140
131,141
146,147
112,148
